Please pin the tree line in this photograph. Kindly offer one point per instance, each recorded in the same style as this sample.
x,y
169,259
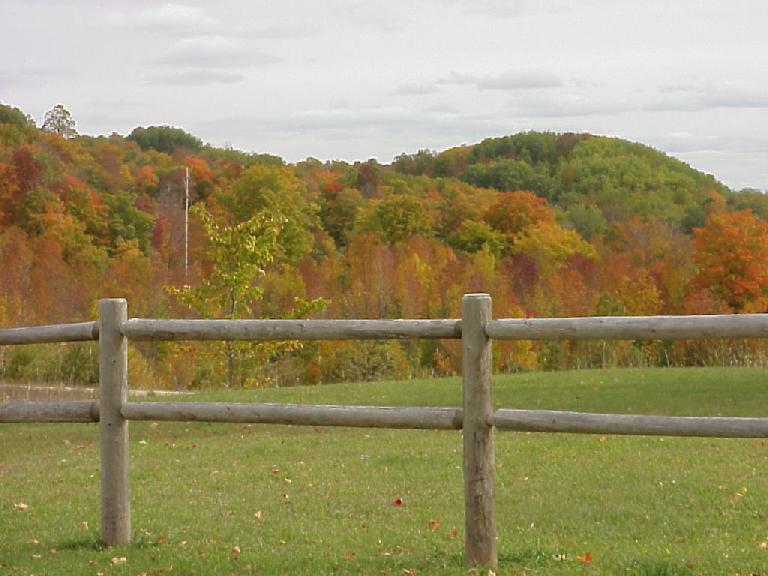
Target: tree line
x,y
548,224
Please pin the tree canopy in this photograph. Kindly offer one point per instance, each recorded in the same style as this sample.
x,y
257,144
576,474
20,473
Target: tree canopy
x,y
58,120
164,139
549,224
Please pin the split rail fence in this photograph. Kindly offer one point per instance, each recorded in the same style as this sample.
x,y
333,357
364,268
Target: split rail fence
x,y
476,418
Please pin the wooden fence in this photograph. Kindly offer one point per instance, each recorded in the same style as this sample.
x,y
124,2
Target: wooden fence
x,y
476,418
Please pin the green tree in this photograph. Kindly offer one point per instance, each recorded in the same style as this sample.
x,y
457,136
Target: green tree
x,y
269,189
15,117
58,120
164,138
472,236
239,255
398,217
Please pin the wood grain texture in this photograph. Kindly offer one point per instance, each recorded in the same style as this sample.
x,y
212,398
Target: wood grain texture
x,y
630,424
73,411
146,329
631,327
479,458
298,414
113,384
80,332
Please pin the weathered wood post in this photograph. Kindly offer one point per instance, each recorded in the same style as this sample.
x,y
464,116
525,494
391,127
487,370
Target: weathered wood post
x,y
113,390
479,458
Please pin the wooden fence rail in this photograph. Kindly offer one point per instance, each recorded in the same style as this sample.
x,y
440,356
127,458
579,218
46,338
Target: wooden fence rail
x,y
144,329
80,332
475,418
298,414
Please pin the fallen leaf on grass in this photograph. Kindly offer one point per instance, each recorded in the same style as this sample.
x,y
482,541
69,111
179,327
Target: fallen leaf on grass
x,y
235,550
454,532
435,524
397,501
21,506
585,558
160,539
257,515
119,560
350,554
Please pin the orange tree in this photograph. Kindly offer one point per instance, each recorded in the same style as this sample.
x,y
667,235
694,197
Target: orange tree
x,y
731,254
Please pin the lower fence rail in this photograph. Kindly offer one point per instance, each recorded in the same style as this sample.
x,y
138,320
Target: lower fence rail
x,y
298,414
393,417
70,411
630,424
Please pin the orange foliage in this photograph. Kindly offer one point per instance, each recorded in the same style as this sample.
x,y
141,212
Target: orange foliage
x,y
731,253
514,212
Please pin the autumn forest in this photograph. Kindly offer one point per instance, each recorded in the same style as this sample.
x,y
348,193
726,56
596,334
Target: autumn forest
x,y
549,224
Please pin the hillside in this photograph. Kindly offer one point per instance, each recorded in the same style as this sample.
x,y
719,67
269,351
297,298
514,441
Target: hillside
x,y
549,224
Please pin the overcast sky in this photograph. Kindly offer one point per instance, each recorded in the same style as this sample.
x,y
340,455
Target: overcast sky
x,y
357,80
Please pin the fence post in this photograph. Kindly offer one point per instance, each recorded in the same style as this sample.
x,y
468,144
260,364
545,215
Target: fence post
x,y
479,458
113,391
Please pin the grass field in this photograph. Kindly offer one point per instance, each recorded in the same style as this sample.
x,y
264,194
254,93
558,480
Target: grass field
x,y
234,499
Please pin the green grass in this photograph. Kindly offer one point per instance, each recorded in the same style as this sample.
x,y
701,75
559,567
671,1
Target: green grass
x,y
303,500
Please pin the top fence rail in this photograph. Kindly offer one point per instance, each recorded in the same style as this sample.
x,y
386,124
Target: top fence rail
x,y
631,327
142,329
79,332
585,328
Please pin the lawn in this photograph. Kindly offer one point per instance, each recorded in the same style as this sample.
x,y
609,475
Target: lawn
x,y
235,499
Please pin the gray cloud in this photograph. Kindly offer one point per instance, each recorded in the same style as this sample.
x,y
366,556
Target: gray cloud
x,y
202,77
735,100
692,97
686,142
169,18
357,124
496,8
510,80
277,32
567,105
214,51
380,17
519,80
415,90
